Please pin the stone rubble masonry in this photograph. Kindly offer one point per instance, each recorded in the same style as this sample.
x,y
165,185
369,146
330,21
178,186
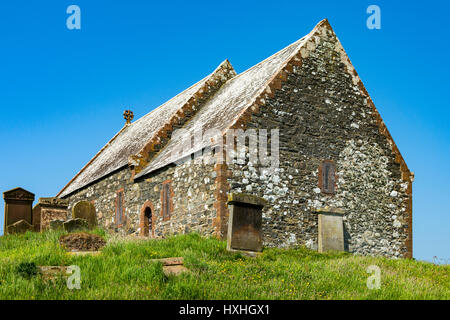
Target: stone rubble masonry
x,y
323,112
192,200
222,188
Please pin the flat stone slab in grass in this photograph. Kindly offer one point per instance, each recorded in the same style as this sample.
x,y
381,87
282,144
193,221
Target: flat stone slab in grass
x,y
84,253
170,261
52,272
81,242
174,270
250,254
172,266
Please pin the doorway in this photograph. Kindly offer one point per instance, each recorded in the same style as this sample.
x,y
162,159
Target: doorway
x,y
147,221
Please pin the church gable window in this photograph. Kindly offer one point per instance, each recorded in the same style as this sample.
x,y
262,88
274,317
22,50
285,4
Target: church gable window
x,y
120,208
166,200
327,177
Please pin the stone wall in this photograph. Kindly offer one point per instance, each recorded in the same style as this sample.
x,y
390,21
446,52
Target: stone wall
x,y
192,199
322,114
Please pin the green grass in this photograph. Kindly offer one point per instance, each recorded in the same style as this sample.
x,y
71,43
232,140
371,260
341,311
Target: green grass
x,y
123,271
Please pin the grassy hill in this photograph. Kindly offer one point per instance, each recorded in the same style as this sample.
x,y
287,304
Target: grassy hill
x,y
123,271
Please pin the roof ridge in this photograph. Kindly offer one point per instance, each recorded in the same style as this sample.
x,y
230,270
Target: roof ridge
x,y
223,73
282,50
180,93
266,88
251,100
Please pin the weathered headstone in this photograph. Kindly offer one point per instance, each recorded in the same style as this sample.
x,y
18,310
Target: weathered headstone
x,y
20,226
47,210
75,225
85,210
56,224
245,222
18,206
331,229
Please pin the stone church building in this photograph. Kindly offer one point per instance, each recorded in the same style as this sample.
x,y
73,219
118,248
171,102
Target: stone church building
x,y
334,152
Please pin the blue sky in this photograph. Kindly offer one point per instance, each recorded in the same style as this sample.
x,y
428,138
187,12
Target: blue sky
x,y
62,92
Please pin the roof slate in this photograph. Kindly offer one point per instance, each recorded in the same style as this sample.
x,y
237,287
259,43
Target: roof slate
x,y
219,112
131,139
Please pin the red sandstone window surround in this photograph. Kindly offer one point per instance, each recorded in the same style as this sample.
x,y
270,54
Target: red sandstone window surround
x,y
120,207
166,200
327,177
147,220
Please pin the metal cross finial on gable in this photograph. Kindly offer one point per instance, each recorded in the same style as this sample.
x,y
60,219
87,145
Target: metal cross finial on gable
x,y
128,116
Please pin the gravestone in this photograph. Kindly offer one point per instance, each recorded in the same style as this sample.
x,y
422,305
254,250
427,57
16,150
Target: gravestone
x,y
75,225
20,226
47,210
85,210
245,222
56,224
331,229
18,206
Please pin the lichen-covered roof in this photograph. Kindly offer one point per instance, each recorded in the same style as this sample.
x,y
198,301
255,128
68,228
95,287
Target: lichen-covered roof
x,y
219,112
226,106
130,139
